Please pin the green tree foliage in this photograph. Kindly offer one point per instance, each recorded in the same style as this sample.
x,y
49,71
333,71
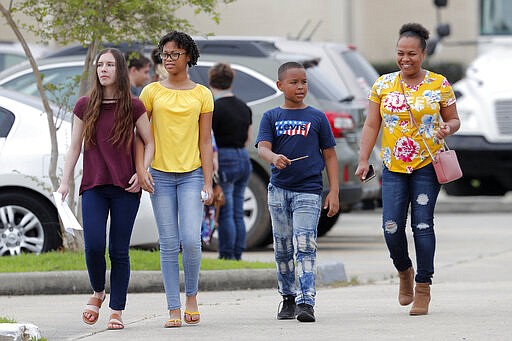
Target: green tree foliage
x,y
91,22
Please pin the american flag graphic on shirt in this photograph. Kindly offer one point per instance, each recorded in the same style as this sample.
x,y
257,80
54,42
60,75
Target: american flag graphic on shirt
x,y
292,127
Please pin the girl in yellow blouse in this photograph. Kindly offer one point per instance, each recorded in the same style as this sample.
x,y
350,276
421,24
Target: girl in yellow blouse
x,y
181,120
408,176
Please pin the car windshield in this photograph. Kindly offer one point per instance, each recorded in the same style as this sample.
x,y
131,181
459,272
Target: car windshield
x,y
324,87
9,59
61,83
246,87
360,66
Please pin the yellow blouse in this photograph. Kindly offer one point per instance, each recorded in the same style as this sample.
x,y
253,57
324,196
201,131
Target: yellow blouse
x,y
175,125
403,149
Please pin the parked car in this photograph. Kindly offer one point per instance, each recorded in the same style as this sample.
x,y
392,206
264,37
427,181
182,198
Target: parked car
x,y
254,83
28,217
354,76
12,54
351,77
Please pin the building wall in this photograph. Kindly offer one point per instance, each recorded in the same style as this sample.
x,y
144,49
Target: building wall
x,y
6,33
371,25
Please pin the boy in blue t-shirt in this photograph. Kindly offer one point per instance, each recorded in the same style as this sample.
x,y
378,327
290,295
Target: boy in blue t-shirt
x,y
297,141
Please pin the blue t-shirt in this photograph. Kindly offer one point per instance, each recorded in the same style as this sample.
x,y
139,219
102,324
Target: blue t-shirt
x,y
295,133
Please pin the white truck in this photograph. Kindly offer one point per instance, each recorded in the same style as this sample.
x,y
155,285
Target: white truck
x,y
484,104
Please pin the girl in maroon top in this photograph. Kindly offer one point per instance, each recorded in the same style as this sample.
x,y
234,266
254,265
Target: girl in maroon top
x,y
104,122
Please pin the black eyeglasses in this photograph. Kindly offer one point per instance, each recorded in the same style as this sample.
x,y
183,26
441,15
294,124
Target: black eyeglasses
x,y
173,55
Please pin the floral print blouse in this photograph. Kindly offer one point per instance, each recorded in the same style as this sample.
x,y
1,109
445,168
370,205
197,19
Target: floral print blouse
x,y
403,149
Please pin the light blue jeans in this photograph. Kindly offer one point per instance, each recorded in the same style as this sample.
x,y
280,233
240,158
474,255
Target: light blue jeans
x,y
294,225
178,212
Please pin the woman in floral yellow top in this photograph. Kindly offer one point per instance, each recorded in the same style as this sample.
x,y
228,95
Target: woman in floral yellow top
x,y
408,176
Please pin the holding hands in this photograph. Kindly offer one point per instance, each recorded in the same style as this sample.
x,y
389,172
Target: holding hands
x,y
145,181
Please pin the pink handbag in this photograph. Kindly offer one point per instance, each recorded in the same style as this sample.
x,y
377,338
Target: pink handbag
x,y
447,166
445,161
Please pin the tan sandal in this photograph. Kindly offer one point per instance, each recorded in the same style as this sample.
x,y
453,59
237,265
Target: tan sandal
x,y
115,322
93,308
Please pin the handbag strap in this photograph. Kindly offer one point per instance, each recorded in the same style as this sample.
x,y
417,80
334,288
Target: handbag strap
x,y
445,146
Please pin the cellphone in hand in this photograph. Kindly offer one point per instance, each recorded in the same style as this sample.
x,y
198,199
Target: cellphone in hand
x,y
370,175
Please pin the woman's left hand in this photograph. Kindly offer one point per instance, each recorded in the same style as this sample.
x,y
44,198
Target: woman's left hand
x,y
443,131
134,184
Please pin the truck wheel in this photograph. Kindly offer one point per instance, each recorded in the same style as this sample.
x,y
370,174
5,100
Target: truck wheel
x,y
256,216
326,223
27,225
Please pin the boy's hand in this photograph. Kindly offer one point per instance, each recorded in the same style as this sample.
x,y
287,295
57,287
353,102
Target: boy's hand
x,y
280,161
332,203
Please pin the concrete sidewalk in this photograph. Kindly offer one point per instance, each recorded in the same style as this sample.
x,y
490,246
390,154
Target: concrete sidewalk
x,y
467,310
471,293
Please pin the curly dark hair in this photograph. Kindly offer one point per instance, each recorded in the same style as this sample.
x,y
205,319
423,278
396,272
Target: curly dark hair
x,y
184,41
415,30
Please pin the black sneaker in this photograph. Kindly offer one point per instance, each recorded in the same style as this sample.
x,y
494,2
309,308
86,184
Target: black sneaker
x,y
288,308
305,313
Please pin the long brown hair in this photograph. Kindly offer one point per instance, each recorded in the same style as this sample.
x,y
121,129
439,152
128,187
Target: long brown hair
x,y
124,125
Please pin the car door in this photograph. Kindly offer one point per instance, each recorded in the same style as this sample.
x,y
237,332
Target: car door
x,y
6,123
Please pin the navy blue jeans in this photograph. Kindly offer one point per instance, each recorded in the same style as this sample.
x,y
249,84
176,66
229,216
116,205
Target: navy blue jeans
x,y
97,204
419,190
234,171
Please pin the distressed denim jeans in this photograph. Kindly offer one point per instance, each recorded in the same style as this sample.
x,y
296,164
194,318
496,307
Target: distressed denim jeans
x,y
294,225
418,190
178,212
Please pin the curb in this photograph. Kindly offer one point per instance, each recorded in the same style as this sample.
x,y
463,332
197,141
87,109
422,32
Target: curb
x,y
480,204
77,282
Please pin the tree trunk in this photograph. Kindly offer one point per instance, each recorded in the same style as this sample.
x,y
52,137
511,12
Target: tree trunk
x,y
68,241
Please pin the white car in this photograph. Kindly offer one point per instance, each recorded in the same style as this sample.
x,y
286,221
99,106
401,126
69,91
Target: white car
x,y
28,217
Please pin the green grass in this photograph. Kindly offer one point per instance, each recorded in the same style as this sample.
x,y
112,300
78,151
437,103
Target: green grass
x,y
140,260
6,320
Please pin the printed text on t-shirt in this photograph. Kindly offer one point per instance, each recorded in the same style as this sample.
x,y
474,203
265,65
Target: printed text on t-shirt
x,y
292,127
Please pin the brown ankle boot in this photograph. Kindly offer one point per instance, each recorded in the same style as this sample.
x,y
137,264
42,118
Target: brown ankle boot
x,y
406,292
421,299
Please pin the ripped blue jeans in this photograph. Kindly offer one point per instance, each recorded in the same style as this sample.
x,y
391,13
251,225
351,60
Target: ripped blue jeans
x,y
294,226
419,190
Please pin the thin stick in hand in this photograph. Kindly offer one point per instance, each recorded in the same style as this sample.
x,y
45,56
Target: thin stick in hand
x,y
299,158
